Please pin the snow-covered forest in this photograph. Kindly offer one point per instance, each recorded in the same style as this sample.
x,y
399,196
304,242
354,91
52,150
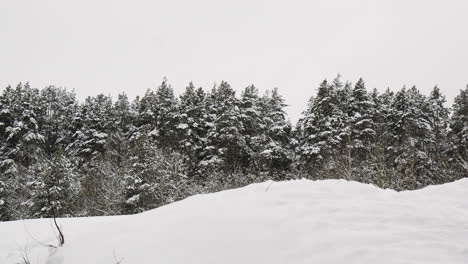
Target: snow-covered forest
x,y
61,157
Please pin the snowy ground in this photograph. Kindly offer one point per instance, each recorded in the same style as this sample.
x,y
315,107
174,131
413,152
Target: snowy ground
x,y
330,221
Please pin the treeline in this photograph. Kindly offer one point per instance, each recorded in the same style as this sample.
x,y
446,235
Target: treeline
x,y
59,157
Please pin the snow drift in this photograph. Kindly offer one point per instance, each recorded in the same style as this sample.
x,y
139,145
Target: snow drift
x,y
331,221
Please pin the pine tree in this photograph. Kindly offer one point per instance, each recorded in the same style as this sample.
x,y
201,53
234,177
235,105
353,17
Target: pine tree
x,y
322,128
362,124
155,177
58,108
123,118
191,126
224,142
210,161
253,126
21,145
54,187
459,133
164,130
410,135
376,169
4,194
6,121
345,155
229,139
102,186
145,107
384,146
277,154
438,144
94,123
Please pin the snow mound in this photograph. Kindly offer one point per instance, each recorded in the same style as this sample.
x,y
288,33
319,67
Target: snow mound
x,y
331,221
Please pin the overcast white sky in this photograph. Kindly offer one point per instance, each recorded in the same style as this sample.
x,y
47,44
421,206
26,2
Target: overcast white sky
x,y
113,46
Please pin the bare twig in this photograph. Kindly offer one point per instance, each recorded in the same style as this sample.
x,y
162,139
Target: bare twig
x,y
26,257
266,190
115,258
60,236
37,241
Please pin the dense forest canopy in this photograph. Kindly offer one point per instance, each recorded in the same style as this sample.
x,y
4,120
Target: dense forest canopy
x,y
60,157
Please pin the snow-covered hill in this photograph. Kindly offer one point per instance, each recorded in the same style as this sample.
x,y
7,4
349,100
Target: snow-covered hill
x,y
304,221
